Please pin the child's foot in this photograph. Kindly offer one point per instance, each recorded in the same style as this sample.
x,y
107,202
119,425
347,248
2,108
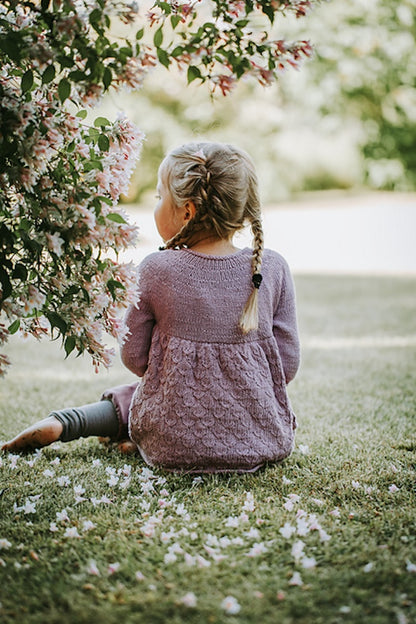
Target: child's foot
x,y
127,447
40,434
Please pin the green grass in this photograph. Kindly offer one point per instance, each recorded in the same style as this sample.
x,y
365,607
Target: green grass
x,y
355,400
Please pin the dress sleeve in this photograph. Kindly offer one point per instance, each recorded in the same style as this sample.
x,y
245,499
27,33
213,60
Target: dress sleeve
x,y
140,321
285,326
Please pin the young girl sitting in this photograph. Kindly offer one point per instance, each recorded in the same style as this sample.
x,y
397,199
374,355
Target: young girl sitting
x,y
213,333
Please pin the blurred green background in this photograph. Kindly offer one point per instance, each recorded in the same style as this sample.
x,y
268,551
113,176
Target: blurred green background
x,y
346,120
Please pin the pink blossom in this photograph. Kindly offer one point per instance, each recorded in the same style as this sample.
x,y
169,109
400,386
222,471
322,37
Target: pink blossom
x,y
55,243
35,299
225,83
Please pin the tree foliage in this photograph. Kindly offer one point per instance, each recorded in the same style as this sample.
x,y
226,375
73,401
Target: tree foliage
x,y
61,178
364,71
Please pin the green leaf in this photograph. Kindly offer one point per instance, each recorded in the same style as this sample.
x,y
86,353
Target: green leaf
x,y
11,45
269,11
106,200
93,164
77,75
158,38
112,287
86,295
107,77
177,51
14,326
115,216
140,34
163,57
20,272
57,321
193,73
49,74
103,143
27,81
166,7
95,16
101,122
64,89
65,61
82,114
174,20
69,345
6,285
94,133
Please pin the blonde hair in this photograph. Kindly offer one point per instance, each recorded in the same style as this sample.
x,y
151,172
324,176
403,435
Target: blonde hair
x,y
221,181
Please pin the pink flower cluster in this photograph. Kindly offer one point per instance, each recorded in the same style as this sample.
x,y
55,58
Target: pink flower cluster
x,y
60,194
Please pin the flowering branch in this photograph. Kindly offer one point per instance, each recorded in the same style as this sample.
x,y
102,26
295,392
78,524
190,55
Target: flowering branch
x,y
60,180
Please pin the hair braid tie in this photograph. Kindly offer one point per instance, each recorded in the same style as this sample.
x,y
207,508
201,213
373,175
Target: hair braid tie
x,y
257,280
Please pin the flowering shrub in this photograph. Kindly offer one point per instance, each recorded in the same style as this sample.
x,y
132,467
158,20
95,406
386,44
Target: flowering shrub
x,y
61,179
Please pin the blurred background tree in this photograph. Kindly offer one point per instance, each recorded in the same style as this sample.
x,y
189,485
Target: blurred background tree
x,y
347,120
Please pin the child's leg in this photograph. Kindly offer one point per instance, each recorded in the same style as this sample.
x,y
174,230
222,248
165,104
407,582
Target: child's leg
x,y
42,433
95,419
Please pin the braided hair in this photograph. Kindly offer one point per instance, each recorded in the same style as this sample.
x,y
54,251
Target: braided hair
x,y
221,182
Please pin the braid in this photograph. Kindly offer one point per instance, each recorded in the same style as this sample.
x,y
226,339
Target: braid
x,y
249,319
185,234
258,247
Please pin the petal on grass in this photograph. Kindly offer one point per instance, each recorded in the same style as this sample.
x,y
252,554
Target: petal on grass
x,y
92,568
188,600
296,580
113,568
72,532
230,605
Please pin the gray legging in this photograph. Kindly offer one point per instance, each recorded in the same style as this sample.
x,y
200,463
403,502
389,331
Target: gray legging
x,y
95,419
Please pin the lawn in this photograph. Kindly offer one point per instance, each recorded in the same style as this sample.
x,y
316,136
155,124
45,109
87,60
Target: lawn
x,y
329,536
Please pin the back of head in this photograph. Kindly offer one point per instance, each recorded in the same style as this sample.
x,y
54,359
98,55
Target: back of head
x,y
221,181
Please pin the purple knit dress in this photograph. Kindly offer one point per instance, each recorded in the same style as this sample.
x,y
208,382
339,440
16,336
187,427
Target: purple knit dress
x,y
212,399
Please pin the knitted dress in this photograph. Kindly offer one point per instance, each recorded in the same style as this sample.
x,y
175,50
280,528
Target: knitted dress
x,y
212,399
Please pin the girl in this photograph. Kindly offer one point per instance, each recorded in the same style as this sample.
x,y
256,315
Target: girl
x,y
213,333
